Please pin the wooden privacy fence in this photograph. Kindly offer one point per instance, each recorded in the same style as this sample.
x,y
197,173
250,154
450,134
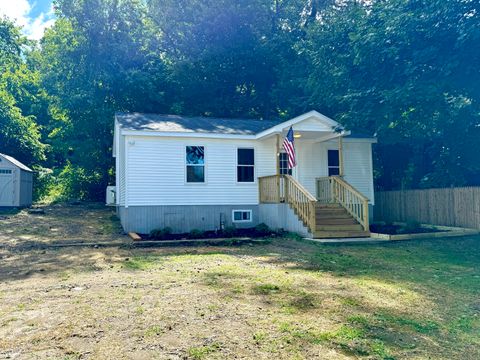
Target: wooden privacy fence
x,y
449,207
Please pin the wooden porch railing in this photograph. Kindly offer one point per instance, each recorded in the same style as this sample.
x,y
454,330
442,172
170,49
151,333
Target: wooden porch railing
x,y
334,189
284,188
269,189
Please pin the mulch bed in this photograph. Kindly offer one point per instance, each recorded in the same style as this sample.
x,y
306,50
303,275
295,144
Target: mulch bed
x,y
251,233
394,229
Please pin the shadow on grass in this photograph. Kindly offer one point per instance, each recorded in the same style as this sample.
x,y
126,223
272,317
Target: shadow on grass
x,y
430,268
9,211
454,263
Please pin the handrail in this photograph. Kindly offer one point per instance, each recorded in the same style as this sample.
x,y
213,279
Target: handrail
x,y
300,187
301,201
335,189
284,188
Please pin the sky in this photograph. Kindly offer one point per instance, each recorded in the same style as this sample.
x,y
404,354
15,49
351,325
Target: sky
x,y
33,15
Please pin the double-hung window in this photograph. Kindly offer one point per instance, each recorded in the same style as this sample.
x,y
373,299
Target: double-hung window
x,y
245,165
195,162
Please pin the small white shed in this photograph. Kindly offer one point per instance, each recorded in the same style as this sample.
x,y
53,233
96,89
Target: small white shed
x,y
16,183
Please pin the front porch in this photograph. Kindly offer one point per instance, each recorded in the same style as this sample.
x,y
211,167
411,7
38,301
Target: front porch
x,y
337,210
330,187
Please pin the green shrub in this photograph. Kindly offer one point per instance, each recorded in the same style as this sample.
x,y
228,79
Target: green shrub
x,y
196,234
67,183
161,234
263,230
229,231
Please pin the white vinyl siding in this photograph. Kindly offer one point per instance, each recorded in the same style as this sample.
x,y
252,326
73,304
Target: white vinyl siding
x,y
156,171
358,167
152,169
313,163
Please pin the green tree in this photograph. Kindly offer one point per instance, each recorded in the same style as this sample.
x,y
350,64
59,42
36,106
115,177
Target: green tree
x,y
20,98
98,59
405,70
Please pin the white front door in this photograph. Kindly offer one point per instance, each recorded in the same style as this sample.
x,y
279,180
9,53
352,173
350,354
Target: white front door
x,y
7,194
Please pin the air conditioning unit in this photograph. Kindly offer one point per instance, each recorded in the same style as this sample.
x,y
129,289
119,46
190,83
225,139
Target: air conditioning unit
x,y
110,196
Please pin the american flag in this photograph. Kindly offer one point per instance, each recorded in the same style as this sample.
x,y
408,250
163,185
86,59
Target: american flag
x,y
289,146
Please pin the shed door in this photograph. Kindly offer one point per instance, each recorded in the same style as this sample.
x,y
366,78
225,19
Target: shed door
x,y
7,195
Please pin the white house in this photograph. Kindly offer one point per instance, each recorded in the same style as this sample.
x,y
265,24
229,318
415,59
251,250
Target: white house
x,y
16,183
207,173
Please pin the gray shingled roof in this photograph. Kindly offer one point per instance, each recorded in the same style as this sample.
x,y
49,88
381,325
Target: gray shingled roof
x,y
16,162
177,123
197,124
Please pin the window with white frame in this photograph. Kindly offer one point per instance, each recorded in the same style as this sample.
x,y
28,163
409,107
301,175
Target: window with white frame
x,y
242,216
5,171
195,163
245,165
283,164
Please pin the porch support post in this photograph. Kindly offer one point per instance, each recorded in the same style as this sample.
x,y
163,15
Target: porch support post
x,y
340,155
277,162
277,154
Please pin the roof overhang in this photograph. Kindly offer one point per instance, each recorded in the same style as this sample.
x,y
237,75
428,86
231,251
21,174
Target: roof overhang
x,y
186,134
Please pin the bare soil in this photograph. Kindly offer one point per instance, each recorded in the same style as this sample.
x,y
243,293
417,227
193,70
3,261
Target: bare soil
x,y
285,300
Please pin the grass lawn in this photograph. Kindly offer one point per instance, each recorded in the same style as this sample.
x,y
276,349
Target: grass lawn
x,y
288,299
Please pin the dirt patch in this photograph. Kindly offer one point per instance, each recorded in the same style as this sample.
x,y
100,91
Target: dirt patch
x,y
60,224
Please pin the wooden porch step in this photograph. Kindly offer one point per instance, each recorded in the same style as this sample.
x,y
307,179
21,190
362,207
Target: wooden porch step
x,y
336,227
332,217
340,234
330,210
335,215
328,206
346,220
